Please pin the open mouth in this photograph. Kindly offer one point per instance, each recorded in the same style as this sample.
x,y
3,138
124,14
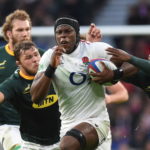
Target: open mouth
x,y
63,43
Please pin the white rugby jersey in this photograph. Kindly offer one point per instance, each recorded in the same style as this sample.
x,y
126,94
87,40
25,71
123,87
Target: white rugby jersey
x,y
79,97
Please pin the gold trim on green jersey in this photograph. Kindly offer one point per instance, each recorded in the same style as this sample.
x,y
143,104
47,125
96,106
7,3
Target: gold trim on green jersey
x,y
8,50
26,76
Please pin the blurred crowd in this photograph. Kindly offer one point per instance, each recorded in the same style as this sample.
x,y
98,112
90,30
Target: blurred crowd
x,y
44,12
130,121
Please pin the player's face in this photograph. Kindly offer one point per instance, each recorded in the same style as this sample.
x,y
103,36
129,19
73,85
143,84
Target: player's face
x,y
66,37
21,31
29,61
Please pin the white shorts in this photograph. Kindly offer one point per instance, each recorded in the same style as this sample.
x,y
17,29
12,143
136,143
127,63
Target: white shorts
x,y
9,136
106,144
33,146
104,133
102,128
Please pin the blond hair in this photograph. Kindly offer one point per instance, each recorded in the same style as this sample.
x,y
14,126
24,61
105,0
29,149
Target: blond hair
x,y
8,25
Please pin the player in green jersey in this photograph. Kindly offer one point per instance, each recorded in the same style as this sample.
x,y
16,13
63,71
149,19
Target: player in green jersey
x,y
39,123
17,27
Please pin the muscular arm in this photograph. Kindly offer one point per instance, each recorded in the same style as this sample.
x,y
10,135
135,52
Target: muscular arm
x,y
42,81
122,56
128,70
117,94
40,87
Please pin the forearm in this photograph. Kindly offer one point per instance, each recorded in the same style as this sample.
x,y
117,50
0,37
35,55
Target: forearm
x,y
128,70
142,64
40,87
117,93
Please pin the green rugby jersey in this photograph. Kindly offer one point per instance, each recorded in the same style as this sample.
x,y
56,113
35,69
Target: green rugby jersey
x,y
39,123
142,80
8,114
7,67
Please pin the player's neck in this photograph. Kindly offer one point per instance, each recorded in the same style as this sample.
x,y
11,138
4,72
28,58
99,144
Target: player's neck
x,y
10,46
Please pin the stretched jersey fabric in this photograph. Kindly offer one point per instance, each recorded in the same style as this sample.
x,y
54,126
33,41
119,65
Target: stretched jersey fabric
x,y
39,123
8,114
140,79
79,98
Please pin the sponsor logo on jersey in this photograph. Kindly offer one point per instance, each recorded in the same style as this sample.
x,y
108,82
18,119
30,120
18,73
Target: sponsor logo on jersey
x,y
49,100
2,64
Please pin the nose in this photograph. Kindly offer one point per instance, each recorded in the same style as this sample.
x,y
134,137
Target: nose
x,y
25,33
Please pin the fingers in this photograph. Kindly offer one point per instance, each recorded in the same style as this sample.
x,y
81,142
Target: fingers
x,y
112,51
94,31
92,25
59,50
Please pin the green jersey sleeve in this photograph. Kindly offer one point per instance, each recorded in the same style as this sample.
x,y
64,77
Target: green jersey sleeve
x,y
142,64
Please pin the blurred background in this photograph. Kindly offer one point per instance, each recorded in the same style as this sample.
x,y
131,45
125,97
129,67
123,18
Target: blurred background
x,y
130,121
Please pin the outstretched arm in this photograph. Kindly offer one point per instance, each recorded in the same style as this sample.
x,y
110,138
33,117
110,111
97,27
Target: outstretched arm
x,y
142,64
122,56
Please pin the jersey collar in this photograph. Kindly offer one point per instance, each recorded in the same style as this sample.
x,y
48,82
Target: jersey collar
x,y
8,50
26,76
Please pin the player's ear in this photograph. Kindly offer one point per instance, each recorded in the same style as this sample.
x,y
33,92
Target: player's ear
x,y
9,34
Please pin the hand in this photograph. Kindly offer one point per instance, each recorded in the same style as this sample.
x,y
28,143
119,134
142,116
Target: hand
x,y
94,34
118,56
56,56
102,77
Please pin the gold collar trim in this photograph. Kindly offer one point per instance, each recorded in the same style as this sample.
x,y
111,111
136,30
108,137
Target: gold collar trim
x,y
26,76
8,50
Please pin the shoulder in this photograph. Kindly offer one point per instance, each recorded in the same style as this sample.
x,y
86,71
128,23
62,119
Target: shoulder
x,y
95,44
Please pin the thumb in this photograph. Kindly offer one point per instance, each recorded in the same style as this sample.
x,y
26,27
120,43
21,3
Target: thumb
x,y
103,65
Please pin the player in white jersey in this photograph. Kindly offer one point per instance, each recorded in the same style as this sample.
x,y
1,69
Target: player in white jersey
x,y
85,120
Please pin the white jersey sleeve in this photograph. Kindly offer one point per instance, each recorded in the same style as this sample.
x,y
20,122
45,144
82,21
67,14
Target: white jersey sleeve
x,y
45,60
